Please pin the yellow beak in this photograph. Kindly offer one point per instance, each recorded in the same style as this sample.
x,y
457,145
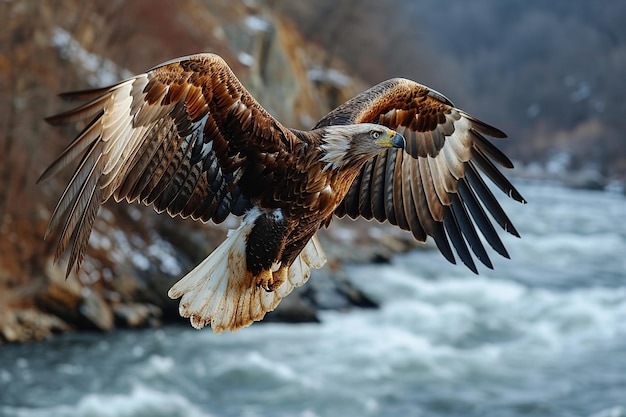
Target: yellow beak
x,y
393,140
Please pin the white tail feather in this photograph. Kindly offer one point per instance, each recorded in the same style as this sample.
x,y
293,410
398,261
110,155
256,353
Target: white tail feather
x,y
220,291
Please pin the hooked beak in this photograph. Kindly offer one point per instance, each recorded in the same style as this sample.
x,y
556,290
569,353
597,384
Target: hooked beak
x,y
393,140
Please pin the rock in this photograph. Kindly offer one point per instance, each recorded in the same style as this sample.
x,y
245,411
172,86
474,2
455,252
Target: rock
x,y
28,325
294,309
137,315
354,296
73,303
333,291
95,312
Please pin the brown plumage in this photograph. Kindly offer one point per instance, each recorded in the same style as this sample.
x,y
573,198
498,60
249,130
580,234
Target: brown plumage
x,y
187,138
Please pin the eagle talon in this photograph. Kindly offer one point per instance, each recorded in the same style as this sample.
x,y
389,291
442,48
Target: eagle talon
x,y
271,281
278,277
265,280
272,285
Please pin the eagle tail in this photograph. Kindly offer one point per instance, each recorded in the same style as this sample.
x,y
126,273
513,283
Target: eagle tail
x,y
221,292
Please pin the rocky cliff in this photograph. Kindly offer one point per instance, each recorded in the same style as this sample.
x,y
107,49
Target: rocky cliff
x,y
135,255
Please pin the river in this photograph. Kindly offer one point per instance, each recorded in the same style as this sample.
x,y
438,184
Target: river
x,y
544,334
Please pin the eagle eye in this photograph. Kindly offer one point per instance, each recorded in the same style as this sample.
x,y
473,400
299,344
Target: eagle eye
x,y
374,134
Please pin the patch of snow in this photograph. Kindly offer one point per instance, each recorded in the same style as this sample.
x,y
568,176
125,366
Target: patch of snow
x,y
134,213
99,241
89,274
122,246
140,261
165,253
106,214
533,110
252,4
598,105
376,232
137,241
329,76
100,71
559,163
344,234
306,120
583,92
256,24
245,59
219,33
107,274
85,292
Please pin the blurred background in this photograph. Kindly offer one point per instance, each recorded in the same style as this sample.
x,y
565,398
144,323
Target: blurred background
x,y
388,327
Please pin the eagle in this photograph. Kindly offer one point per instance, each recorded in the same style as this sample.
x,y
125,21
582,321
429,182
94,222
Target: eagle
x,y
188,139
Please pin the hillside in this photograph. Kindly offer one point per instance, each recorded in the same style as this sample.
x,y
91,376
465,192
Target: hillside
x,y
134,255
549,73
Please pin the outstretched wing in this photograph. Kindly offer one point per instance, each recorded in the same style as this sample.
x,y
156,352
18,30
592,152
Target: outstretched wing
x,y
178,137
434,186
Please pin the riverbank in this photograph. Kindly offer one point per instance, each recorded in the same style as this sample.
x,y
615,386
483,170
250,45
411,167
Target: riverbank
x,y
128,300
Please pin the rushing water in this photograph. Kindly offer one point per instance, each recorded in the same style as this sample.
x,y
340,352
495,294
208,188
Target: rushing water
x,y
542,335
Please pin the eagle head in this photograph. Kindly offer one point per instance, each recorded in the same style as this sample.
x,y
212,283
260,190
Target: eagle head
x,y
353,145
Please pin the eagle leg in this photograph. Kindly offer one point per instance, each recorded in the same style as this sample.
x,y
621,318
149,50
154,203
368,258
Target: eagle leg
x,y
265,280
264,246
270,280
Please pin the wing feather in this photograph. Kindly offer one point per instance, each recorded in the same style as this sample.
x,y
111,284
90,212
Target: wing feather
x,y
80,200
494,174
455,235
439,174
176,137
398,191
73,188
79,146
489,200
87,110
408,205
377,198
387,190
431,199
480,217
365,206
349,205
80,237
469,231
433,187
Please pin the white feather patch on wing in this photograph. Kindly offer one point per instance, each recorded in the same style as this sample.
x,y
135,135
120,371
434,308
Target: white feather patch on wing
x,y
220,292
312,256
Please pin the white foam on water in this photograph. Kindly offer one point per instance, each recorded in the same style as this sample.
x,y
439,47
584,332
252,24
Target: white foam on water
x,y
440,325
5,376
254,362
157,366
568,245
141,401
545,327
475,322
617,411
